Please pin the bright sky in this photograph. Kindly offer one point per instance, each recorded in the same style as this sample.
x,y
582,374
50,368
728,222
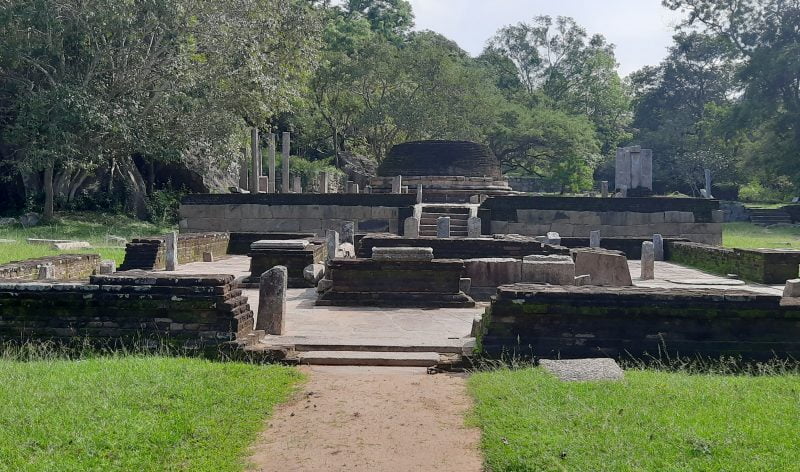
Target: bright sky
x,y
641,29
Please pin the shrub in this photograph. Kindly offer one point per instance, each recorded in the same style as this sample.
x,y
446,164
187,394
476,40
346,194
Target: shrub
x,y
777,191
162,206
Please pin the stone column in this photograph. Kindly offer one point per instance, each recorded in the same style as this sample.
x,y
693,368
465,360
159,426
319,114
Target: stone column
x,y
324,182
243,180
594,239
254,154
636,168
332,243
443,227
474,227
419,193
604,188
349,232
397,184
297,183
622,169
272,301
411,227
708,183
355,188
648,261
658,247
271,188
405,189
349,186
285,148
647,168
171,250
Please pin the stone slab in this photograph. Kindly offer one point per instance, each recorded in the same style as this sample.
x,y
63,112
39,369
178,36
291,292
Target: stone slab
x,y
280,244
395,359
72,245
402,253
606,268
581,370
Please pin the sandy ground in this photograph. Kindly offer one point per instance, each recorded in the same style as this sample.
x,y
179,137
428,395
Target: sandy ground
x,y
371,419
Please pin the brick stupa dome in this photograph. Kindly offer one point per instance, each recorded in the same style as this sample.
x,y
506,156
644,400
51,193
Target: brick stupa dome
x,y
438,157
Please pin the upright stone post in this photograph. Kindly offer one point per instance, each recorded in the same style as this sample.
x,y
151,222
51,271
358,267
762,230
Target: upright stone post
x,y
474,227
594,239
332,243
272,301
604,188
648,261
297,183
349,186
397,184
411,227
285,148
243,180
171,250
622,169
553,238
419,193
324,185
405,189
636,167
349,232
46,272
355,188
254,154
708,183
647,169
658,247
368,189
443,227
271,188
108,266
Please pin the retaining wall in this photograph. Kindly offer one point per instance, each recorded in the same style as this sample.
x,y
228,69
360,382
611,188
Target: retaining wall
x,y
694,219
462,248
150,253
576,322
290,213
66,267
194,310
632,247
768,266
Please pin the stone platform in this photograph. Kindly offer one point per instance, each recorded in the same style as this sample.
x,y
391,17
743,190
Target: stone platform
x,y
294,257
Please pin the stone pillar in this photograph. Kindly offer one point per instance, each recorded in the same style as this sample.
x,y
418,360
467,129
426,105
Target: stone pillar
x,y
636,168
324,182
285,148
46,272
108,266
443,227
368,189
474,227
355,188
647,169
553,238
171,249
411,227
622,169
708,183
297,183
792,288
604,188
271,187
332,243
658,247
349,232
397,184
648,261
419,193
594,238
243,180
272,301
405,189
349,187
254,155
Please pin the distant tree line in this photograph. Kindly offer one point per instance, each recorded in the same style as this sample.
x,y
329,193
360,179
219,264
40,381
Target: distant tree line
x,y
96,94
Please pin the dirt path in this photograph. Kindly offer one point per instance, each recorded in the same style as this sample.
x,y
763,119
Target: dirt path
x,y
371,419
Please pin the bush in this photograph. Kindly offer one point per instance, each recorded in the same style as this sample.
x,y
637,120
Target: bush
x,y
162,206
778,191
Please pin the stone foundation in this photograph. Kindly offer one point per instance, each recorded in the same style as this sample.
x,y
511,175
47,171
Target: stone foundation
x,y
295,261
463,248
446,189
767,266
150,253
631,247
65,267
575,322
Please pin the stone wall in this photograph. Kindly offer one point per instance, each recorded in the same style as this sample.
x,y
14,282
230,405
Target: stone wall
x,y
632,247
191,310
149,253
291,213
463,248
574,322
768,266
695,219
65,267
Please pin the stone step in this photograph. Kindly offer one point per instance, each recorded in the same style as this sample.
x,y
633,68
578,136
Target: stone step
x,y
462,346
367,358
432,222
453,216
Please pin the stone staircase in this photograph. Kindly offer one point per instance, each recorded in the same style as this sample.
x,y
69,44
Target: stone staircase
x,y
769,216
459,214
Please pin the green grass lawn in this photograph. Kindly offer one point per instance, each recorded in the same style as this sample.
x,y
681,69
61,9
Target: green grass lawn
x,y
747,235
134,413
91,227
652,420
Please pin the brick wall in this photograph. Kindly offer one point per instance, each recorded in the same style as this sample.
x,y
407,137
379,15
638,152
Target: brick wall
x,y
136,304
292,213
574,322
694,219
769,266
149,253
66,267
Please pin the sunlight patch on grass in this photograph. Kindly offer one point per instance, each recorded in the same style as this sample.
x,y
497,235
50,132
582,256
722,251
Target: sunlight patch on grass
x,y
747,235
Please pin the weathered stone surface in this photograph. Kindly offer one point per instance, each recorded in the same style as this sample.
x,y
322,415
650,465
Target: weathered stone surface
x,y
474,226
72,245
553,238
792,288
397,184
493,271
8,221
280,244
402,253
171,251
347,251
313,273
648,261
604,188
548,269
324,285
285,161
658,247
443,227
41,241
46,272
594,239
465,285
578,370
108,266
606,268
272,301
30,219
208,256
411,227
332,243
116,240
582,280
419,193
349,233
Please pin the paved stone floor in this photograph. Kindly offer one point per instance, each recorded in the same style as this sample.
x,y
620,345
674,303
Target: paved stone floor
x,y
669,275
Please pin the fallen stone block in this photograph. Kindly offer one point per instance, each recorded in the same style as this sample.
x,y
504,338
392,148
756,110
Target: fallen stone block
x,y
606,268
792,288
548,269
579,370
72,245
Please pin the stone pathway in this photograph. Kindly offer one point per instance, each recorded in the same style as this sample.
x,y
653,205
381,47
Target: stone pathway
x,y
371,419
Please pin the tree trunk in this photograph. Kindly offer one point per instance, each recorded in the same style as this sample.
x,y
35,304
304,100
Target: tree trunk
x,y
48,193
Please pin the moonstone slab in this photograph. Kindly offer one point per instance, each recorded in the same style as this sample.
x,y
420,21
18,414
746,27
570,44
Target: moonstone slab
x,y
421,254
